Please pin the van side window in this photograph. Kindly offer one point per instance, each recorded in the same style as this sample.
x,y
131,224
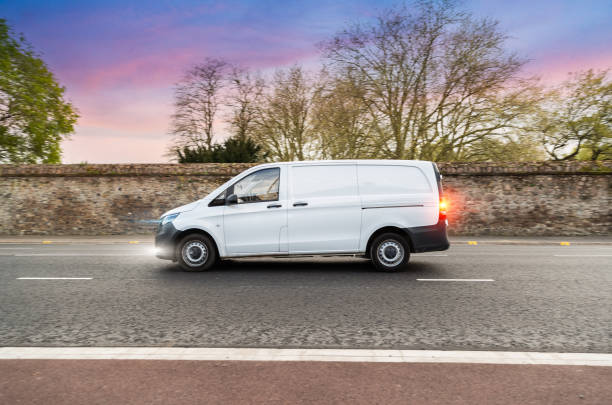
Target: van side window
x,y
257,187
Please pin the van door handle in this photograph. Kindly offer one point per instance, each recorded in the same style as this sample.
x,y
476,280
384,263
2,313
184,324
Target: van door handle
x,y
274,206
300,204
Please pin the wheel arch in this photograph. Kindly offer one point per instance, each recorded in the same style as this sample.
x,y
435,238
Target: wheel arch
x,y
194,231
389,229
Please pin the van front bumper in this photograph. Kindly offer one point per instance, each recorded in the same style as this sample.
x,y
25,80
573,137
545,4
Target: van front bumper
x,y
429,238
165,240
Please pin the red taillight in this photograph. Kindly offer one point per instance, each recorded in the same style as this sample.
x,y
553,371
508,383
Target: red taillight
x,y
443,207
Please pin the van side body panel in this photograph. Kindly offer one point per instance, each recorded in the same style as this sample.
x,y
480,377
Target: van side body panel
x,y
324,210
402,195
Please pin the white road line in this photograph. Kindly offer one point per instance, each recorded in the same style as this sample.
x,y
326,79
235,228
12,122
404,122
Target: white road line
x,y
15,248
428,255
54,278
343,355
455,279
583,255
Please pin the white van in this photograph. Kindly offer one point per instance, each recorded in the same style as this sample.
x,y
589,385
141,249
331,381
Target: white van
x,y
381,209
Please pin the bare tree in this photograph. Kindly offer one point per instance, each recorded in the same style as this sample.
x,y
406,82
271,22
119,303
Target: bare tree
x,y
197,100
244,101
435,79
510,148
341,121
283,123
575,120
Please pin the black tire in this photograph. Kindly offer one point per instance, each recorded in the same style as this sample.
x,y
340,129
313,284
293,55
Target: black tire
x,y
196,252
390,252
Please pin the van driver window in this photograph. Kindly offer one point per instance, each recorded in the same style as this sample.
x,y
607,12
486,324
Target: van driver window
x,y
259,186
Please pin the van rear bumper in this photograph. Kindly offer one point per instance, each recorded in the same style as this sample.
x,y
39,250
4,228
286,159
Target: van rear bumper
x,y
429,238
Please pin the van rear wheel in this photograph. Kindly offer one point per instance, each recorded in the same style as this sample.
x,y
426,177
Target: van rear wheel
x,y
390,252
196,252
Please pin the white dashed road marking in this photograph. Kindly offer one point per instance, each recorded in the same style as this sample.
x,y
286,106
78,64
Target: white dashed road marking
x,y
54,278
583,255
428,255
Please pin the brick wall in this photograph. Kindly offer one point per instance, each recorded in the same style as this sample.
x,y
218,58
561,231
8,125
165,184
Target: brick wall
x,y
546,198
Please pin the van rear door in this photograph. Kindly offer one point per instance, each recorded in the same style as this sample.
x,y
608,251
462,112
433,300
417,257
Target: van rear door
x,y
324,209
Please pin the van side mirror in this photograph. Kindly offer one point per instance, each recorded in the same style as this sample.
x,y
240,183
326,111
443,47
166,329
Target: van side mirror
x,y
231,199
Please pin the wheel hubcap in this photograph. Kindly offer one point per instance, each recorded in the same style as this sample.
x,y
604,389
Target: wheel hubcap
x,y
390,253
195,253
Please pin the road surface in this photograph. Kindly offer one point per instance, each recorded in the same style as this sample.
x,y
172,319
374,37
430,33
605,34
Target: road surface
x,y
472,297
502,302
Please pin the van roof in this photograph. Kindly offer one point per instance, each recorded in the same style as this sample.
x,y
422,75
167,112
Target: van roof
x,y
389,162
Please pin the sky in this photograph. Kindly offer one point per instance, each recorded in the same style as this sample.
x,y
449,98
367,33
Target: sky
x,y
119,59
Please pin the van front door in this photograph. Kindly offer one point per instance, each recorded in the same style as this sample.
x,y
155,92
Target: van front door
x,y
253,223
324,209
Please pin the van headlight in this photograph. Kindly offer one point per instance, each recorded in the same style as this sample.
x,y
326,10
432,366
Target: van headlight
x,y
168,218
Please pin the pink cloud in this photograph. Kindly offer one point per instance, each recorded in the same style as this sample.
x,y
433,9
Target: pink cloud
x,y
160,57
555,67
139,71
99,145
139,111
165,69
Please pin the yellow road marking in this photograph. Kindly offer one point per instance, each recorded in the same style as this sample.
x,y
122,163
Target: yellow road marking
x,y
472,242
133,242
46,242
564,243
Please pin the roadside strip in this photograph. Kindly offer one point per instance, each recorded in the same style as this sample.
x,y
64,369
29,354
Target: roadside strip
x,y
456,279
605,241
325,355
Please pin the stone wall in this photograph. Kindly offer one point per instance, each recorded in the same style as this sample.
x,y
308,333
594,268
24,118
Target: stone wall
x,y
545,198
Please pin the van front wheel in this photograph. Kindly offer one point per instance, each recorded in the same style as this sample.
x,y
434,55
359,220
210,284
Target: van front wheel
x,y
196,253
389,252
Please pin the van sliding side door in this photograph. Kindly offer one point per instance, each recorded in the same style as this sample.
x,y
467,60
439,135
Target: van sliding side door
x,y
324,210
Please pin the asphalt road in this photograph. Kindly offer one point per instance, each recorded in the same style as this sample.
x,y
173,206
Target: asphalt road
x,y
542,298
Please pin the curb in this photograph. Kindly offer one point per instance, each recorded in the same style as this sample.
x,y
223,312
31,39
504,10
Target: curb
x,y
531,242
307,355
